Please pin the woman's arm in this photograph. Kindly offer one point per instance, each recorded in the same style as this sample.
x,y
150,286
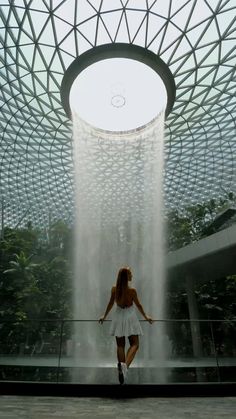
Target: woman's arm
x,y
109,305
140,307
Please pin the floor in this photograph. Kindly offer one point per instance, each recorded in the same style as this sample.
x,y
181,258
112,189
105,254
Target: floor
x,y
28,407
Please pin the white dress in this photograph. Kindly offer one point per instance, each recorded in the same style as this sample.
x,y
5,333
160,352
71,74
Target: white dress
x,y
125,322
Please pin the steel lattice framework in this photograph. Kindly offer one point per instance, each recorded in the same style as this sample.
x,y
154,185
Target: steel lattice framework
x,y
40,39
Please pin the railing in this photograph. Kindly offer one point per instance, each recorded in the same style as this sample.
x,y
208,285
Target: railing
x,y
82,351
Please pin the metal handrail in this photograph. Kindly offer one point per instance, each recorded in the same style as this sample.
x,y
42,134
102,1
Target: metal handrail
x,y
108,320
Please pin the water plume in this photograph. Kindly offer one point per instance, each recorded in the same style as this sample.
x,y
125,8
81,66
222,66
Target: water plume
x,y
119,222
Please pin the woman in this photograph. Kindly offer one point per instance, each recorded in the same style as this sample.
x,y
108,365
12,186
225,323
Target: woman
x,y
125,322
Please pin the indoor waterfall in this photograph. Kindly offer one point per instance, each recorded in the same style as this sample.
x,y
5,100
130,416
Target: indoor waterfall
x,y
119,206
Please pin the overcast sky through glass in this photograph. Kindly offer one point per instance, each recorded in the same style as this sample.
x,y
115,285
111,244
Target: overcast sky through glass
x,y
118,94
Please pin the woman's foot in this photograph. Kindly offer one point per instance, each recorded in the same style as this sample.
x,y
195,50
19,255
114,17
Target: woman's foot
x,y
120,373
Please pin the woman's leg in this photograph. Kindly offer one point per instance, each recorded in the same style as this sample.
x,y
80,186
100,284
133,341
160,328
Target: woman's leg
x,y
134,345
120,349
121,358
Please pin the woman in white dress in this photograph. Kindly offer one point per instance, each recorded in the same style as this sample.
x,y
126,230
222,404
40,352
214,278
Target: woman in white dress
x,y
125,322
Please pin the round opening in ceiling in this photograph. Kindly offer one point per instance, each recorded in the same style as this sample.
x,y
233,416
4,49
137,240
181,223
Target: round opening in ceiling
x,y
118,87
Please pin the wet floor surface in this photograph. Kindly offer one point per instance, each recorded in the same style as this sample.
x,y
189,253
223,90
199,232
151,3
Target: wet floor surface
x,y
28,407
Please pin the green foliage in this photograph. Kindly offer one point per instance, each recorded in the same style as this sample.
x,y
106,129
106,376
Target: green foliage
x,y
35,282
216,298
191,224
54,279
36,277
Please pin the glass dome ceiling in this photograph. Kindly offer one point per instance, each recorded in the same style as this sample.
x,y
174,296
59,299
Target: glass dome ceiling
x,y
40,39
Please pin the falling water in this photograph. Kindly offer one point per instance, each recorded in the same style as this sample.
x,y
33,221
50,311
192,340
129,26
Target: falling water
x,y
118,223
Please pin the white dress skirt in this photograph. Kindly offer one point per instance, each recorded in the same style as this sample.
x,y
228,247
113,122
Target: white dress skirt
x,y
125,322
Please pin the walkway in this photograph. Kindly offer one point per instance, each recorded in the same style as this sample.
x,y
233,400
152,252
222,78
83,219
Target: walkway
x,y
203,259
27,407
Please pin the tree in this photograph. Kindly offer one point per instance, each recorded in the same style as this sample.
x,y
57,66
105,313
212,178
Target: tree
x,y
35,283
191,224
22,283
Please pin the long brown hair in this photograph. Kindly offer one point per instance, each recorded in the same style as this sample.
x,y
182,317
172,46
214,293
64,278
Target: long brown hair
x,y
122,284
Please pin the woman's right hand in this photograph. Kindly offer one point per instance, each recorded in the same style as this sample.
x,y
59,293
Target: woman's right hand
x,y
101,320
149,319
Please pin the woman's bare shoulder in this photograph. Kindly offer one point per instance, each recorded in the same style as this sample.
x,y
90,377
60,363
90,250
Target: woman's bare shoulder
x,y
133,290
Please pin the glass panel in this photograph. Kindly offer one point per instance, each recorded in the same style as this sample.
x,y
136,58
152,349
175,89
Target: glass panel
x,y
178,352
225,343
88,353
190,355
29,351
